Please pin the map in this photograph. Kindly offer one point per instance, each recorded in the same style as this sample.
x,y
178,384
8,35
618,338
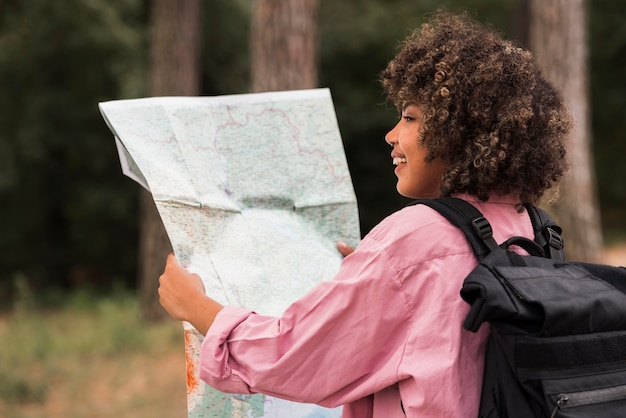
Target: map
x,y
254,192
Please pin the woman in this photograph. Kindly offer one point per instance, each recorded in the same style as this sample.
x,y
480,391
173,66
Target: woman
x,y
384,337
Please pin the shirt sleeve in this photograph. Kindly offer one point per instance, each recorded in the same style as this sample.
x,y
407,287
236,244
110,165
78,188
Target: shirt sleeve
x,y
341,342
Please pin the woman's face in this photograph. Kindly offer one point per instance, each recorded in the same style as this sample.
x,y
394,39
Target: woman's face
x,y
417,179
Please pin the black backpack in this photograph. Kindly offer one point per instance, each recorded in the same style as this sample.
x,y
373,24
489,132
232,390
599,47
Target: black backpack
x,y
557,346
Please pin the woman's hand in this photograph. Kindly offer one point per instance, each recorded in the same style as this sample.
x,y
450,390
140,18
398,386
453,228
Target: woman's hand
x,y
344,248
182,295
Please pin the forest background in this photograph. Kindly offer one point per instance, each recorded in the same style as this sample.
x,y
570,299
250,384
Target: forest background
x,y
70,218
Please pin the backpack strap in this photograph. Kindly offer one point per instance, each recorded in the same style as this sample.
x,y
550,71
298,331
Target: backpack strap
x,y
547,240
468,219
547,233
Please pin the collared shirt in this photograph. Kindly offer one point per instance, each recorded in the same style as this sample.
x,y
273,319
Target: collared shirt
x,y
384,334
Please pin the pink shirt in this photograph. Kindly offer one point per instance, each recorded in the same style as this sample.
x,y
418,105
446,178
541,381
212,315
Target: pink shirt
x,y
386,329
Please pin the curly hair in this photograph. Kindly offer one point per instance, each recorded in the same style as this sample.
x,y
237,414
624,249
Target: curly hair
x,y
488,112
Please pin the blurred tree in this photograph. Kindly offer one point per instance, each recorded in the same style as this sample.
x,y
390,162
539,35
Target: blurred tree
x,y
63,203
558,37
284,44
174,70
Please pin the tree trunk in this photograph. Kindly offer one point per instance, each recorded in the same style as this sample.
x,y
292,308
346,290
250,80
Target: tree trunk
x,y
174,70
283,44
558,37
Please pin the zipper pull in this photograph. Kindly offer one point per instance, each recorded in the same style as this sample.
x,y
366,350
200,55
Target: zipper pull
x,y
560,403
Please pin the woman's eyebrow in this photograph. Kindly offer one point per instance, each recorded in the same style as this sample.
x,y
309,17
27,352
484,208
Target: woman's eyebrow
x,y
407,104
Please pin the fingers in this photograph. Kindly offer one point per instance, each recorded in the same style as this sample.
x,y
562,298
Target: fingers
x,y
177,282
172,290
344,248
171,261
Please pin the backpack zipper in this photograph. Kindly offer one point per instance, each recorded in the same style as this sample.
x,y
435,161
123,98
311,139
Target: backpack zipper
x,y
589,397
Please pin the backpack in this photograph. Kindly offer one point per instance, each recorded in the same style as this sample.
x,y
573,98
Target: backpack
x,y
557,344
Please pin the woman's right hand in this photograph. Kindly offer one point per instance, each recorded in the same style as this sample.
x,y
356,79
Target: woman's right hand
x,y
344,248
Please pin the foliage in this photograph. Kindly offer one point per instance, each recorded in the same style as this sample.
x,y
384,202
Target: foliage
x,y
65,206
608,109
71,217
225,60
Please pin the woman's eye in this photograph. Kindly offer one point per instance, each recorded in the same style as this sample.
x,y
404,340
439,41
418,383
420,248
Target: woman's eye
x,y
408,118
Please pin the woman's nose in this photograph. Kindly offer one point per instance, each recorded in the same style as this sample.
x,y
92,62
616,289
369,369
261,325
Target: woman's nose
x,y
392,136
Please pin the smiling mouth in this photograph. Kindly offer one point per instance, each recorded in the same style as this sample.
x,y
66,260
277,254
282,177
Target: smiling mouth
x,y
398,160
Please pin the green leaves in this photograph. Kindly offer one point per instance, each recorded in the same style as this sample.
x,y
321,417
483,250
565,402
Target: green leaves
x,y
57,60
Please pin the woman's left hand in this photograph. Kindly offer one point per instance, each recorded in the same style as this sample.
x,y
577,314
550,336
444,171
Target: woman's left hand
x,y
183,296
178,288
